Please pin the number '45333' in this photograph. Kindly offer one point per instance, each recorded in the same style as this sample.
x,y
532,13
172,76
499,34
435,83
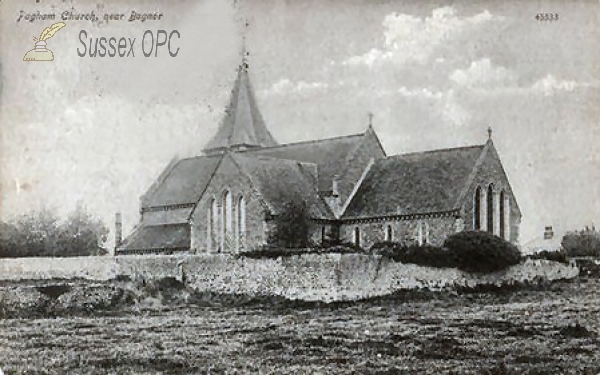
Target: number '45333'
x,y
546,16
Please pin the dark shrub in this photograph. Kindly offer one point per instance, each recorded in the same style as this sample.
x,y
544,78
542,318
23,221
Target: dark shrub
x,y
431,256
343,248
273,252
331,242
556,256
423,255
481,252
588,267
389,249
291,226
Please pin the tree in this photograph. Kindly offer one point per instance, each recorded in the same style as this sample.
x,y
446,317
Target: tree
x,y
585,242
7,240
82,234
39,234
291,225
36,234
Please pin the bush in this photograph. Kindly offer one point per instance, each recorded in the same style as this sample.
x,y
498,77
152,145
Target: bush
x,y
274,252
556,256
422,255
291,226
481,252
333,243
582,243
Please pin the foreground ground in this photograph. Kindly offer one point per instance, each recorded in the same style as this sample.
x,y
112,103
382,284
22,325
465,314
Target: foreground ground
x,y
549,330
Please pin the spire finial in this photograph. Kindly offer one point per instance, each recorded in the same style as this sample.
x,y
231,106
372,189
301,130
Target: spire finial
x,y
489,132
245,52
371,118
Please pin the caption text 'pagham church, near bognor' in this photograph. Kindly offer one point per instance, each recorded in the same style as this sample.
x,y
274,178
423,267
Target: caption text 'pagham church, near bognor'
x,y
225,200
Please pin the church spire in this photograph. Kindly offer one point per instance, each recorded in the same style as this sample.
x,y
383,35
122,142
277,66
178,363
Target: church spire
x,y
243,125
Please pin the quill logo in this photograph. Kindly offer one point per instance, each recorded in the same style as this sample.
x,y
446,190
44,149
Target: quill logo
x,y
40,52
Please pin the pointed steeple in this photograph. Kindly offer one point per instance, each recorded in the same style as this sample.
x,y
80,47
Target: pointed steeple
x,y
243,125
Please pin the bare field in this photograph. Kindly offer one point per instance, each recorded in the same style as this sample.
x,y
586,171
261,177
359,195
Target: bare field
x,y
542,330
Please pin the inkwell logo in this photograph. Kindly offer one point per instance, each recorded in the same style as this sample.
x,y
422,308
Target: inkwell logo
x,y
40,52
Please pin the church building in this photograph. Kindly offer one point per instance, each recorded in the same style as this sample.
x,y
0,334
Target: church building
x,y
225,200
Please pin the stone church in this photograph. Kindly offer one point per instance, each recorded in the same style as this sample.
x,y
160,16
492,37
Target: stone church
x,y
225,200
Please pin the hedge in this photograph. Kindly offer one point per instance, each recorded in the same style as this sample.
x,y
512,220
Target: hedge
x,y
274,252
481,251
478,252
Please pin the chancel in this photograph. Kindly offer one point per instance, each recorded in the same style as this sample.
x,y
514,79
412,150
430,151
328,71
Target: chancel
x,y
226,199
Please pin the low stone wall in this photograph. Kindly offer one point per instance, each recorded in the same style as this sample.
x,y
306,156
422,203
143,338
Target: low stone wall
x,y
94,268
330,277
338,277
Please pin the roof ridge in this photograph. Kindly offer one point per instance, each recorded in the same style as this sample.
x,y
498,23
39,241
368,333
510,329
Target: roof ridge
x,y
271,158
432,151
311,141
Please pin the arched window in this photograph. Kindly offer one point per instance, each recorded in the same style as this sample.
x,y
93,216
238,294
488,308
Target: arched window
x,y
357,236
241,223
419,233
490,209
226,221
501,214
323,234
388,233
477,209
210,228
426,229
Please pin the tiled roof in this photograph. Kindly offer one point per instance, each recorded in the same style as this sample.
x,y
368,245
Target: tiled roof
x,y
279,181
414,183
160,237
243,124
330,155
184,183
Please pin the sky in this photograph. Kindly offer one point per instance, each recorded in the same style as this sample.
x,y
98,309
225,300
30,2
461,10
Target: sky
x,y
99,130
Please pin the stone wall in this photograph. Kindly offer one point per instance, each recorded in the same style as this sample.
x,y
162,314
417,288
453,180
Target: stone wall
x,y
329,277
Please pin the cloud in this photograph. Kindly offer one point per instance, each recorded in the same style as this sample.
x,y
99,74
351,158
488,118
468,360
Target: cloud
x,y
422,93
485,78
409,38
550,85
483,74
285,86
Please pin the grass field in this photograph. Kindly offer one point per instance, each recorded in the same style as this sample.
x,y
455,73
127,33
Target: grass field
x,y
542,330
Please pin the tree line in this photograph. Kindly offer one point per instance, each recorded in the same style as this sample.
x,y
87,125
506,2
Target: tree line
x,y
42,234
